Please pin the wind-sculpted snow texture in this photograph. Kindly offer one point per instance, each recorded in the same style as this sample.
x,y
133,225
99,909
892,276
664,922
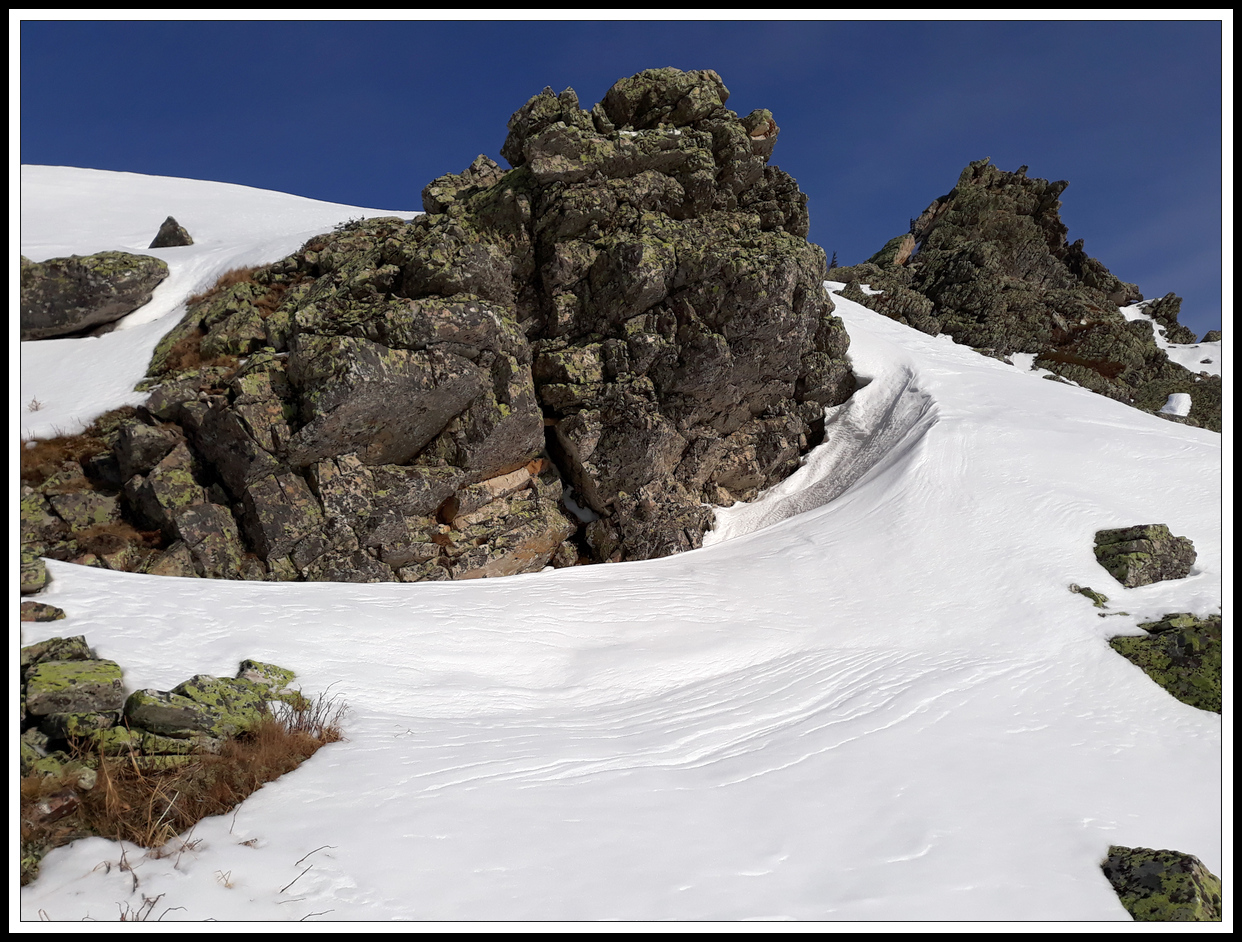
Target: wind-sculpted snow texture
x,y
887,707
634,308
989,264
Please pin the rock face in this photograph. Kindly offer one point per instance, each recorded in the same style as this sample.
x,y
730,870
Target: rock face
x,y
171,234
1144,554
1163,885
1183,654
988,263
66,295
633,308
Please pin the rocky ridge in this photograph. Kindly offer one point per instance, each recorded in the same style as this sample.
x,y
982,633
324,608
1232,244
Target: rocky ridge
x,y
633,309
989,264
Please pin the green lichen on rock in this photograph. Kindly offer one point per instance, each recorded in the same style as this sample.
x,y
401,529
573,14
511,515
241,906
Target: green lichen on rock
x,y
1163,885
1144,554
64,295
1182,653
74,687
989,264
1098,599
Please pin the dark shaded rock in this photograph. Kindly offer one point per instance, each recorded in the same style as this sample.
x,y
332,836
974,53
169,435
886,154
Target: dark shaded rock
x,y
1182,654
40,611
171,234
636,296
210,534
1212,336
1141,555
65,295
140,448
1163,885
988,263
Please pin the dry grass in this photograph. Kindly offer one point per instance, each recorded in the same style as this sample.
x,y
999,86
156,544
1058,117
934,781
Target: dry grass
x,y
187,354
1109,369
43,457
233,276
104,539
150,807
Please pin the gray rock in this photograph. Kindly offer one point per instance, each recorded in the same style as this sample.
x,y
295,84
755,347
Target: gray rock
x,y
66,295
171,234
637,296
1141,555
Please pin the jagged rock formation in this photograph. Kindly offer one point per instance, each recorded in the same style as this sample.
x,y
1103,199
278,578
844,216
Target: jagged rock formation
x,y
171,235
1163,885
1141,555
989,264
633,308
67,295
1181,653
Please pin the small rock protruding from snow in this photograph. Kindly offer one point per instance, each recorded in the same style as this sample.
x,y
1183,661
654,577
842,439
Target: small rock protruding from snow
x,y
171,234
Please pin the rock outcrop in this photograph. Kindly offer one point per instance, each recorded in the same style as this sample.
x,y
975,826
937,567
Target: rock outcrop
x,y
68,295
1163,885
171,235
1181,653
1141,555
633,309
989,264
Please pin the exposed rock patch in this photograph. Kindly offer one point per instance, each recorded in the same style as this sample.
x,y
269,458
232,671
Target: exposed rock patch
x,y
989,264
1141,555
1182,654
67,295
1163,885
633,308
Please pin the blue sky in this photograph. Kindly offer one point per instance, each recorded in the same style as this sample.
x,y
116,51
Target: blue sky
x,y
877,118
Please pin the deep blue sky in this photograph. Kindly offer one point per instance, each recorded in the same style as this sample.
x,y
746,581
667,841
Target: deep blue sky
x,y
877,119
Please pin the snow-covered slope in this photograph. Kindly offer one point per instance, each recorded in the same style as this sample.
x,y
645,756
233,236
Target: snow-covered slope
x,y
872,696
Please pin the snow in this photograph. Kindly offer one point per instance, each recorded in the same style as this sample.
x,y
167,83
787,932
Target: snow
x,y
1177,404
1196,357
871,696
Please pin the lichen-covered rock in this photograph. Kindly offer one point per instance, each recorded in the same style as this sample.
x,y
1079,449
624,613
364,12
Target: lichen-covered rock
x,y
40,611
636,299
1141,555
77,686
1163,885
1182,654
171,235
988,263
33,573
66,295
55,649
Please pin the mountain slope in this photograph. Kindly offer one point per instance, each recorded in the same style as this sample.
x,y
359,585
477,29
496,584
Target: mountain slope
x,y
888,706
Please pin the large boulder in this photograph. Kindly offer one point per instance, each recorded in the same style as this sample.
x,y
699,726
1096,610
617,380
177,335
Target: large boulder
x,y
632,309
66,295
1181,653
1141,555
1163,885
989,264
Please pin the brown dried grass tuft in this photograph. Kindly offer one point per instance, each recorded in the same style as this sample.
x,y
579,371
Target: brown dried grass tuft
x,y
40,458
233,276
187,354
149,806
